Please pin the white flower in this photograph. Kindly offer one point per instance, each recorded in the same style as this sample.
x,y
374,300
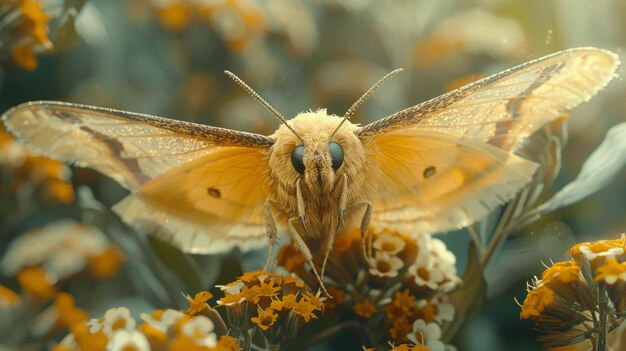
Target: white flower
x,y
445,310
200,329
385,265
128,340
389,243
163,321
61,248
233,289
427,335
114,320
427,276
435,265
610,253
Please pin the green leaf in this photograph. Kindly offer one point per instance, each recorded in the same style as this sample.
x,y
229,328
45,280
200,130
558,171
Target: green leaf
x,y
181,264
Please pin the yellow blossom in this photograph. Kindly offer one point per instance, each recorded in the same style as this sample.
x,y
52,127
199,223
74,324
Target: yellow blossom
x,y
404,299
536,301
251,294
365,308
265,319
24,57
174,15
400,329
305,309
198,303
8,297
268,289
290,258
68,313
105,264
89,341
156,337
231,299
564,272
227,343
611,271
36,281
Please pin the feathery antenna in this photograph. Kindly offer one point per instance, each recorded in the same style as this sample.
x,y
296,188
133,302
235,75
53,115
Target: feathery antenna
x,y
258,98
365,96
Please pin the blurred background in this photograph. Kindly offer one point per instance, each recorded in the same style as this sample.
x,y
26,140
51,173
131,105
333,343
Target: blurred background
x,y
167,57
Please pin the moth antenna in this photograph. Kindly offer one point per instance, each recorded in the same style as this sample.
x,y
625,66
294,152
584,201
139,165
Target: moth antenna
x,y
258,98
364,97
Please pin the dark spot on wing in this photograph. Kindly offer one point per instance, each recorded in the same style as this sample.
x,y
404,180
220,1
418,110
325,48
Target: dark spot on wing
x,y
429,172
215,192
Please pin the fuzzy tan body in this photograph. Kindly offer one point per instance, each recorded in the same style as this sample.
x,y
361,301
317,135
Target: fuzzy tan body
x,y
321,185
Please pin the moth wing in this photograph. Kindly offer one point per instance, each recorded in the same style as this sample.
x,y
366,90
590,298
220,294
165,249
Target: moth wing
x,y
154,157
435,182
507,107
480,124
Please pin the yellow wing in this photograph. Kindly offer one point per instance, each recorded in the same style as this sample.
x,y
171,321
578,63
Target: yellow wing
x,y
197,186
447,162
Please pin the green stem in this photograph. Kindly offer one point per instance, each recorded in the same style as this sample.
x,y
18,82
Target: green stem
x,y
500,234
601,340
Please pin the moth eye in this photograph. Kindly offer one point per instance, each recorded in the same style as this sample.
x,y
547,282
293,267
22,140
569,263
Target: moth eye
x,y
296,159
336,154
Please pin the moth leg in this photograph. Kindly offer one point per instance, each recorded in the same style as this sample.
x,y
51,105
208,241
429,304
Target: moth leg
x,y
329,247
303,248
301,208
366,240
270,229
343,196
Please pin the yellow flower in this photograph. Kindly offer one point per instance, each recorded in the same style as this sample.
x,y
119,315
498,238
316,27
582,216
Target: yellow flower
x,y
36,281
305,309
265,319
198,303
611,272
290,258
175,15
251,294
89,341
156,337
410,347
365,308
404,300
400,329
337,297
268,289
230,299
67,312
24,57
536,301
564,272
227,343
8,297
105,264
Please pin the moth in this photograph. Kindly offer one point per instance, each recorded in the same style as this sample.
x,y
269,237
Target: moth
x,y
434,167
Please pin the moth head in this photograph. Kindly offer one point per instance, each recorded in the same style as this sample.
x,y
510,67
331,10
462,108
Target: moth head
x,y
319,157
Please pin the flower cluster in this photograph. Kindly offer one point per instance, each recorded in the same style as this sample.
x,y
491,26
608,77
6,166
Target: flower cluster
x,y
275,305
402,284
27,172
57,251
580,299
161,330
278,305
243,25
237,23
26,31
